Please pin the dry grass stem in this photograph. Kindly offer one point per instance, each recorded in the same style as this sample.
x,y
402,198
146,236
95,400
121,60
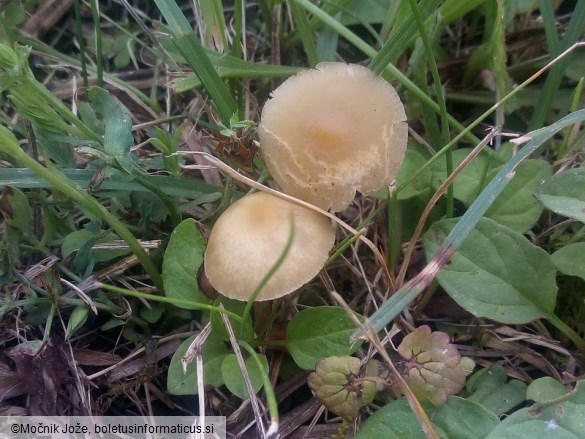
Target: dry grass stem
x,y
435,198
246,376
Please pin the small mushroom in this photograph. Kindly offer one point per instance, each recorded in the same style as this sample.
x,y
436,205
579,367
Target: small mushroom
x,y
331,131
250,236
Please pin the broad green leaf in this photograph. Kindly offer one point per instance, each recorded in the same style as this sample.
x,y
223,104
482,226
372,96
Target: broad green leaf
x,y
183,257
516,207
57,147
464,419
564,194
570,259
76,320
149,206
112,323
496,273
117,125
491,388
457,419
213,353
545,389
233,378
469,183
393,421
153,313
319,332
563,418
85,239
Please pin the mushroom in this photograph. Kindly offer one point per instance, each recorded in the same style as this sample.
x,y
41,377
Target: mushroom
x,y
250,236
331,131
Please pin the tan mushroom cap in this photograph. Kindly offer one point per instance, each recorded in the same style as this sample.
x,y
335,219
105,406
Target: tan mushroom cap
x,y
331,131
250,236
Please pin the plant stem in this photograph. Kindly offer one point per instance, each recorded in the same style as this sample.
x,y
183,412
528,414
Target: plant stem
x,y
440,98
568,331
182,303
268,389
81,41
95,12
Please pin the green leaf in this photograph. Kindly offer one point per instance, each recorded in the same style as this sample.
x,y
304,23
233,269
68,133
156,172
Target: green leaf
x,y
393,421
364,11
564,194
117,121
16,211
230,67
469,183
570,259
413,161
153,313
491,388
457,419
233,378
213,353
464,419
562,419
85,239
497,273
183,257
545,389
149,206
57,147
319,332
516,207
76,320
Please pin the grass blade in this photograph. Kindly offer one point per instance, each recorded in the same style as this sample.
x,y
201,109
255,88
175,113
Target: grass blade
x,y
555,76
24,178
191,49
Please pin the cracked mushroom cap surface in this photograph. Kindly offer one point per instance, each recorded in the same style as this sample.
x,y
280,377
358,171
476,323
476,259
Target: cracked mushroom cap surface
x,y
251,235
331,131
